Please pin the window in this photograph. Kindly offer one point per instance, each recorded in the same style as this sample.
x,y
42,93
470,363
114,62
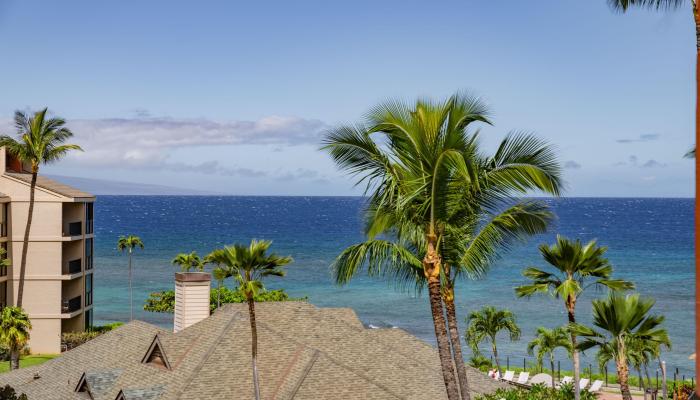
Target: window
x,y
88,320
89,214
89,247
3,268
3,223
3,294
88,290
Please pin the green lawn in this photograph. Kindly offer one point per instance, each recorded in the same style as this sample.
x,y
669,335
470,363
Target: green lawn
x,y
28,361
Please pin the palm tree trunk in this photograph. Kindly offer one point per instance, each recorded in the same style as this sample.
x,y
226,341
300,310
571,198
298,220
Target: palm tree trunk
x,y
495,356
664,388
449,300
623,378
431,269
218,295
571,304
131,292
23,263
254,345
14,359
696,16
551,367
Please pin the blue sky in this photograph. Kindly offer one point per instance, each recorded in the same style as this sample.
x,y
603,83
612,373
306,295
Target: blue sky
x,y
234,96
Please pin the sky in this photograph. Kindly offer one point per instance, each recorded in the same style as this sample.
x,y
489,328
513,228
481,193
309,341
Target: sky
x,y
234,97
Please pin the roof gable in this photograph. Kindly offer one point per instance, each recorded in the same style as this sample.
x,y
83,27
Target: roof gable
x,y
156,355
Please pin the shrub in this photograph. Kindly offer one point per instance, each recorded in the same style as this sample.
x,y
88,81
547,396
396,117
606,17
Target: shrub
x,y
9,393
165,301
537,392
74,339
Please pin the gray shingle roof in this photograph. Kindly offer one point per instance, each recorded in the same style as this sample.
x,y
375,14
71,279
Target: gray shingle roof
x,y
50,184
304,353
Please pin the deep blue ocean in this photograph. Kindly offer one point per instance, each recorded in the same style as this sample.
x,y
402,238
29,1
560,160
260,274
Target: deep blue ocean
x,y
650,242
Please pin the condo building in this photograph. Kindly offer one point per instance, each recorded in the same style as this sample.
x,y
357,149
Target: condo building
x,y
58,283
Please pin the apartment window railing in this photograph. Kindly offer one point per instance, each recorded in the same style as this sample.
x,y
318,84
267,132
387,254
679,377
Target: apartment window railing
x,y
88,253
71,305
74,266
89,216
75,228
3,270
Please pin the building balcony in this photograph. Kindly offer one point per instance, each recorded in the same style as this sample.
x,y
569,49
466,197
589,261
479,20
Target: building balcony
x,y
73,229
72,305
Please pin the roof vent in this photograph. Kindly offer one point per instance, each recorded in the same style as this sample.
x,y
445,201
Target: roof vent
x,y
156,355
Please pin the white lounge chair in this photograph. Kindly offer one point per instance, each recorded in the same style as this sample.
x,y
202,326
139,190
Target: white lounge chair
x,y
582,383
522,378
567,379
541,379
508,376
596,386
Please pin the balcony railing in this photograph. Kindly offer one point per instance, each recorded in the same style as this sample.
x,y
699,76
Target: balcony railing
x,y
71,305
74,229
74,266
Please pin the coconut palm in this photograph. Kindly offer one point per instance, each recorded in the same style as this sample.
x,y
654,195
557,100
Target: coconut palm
x,y
546,342
624,321
419,164
14,332
485,324
188,262
576,267
40,140
249,265
128,244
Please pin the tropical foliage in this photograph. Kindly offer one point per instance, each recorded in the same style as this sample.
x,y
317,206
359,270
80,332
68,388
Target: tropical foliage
x,y
128,244
546,342
484,325
624,322
14,332
165,301
40,140
574,268
9,393
537,392
430,188
75,339
188,262
249,265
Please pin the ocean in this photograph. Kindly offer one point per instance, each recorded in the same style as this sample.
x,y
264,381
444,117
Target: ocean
x,y
650,242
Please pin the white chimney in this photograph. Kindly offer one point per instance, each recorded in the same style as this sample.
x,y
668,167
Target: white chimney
x,y
191,298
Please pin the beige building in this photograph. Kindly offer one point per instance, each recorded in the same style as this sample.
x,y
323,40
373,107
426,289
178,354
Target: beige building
x,y
58,280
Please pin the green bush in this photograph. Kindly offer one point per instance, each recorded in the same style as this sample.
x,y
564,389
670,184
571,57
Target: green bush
x,y
75,339
165,301
9,393
537,392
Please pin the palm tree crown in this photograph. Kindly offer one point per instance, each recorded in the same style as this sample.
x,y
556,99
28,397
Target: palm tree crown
x,y
129,243
188,262
547,341
624,5
485,324
41,140
14,331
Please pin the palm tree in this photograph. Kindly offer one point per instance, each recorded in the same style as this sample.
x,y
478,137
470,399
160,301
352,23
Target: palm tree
x,y
485,324
40,140
576,267
249,265
220,274
419,164
14,332
624,321
623,6
546,342
188,261
128,244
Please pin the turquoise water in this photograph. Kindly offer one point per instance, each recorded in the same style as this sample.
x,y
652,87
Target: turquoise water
x,y
650,241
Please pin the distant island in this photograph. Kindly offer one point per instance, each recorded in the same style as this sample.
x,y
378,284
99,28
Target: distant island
x,y
108,187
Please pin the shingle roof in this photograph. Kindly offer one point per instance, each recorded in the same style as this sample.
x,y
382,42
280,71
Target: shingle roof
x,y
304,352
50,184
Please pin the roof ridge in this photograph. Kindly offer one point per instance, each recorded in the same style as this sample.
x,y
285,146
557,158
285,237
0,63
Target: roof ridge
x,y
208,354
305,373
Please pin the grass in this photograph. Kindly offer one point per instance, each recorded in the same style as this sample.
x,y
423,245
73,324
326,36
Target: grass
x,y
28,361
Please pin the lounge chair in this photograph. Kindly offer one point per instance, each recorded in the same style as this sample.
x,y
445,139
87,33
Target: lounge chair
x,y
508,376
582,383
522,378
566,380
596,386
541,379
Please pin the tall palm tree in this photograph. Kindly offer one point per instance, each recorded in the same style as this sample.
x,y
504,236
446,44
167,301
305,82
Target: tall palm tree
x,y
623,6
419,163
547,341
14,332
188,262
575,267
128,244
485,324
249,265
40,140
624,320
